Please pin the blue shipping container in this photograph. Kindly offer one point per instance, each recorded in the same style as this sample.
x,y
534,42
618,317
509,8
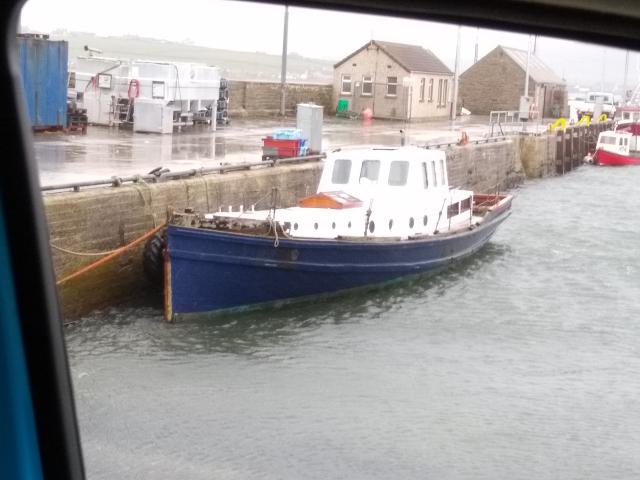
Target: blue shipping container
x,y
43,67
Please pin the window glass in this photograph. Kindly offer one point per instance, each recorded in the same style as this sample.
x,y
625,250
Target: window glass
x,y
433,174
392,86
442,173
341,171
465,205
425,175
422,83
367,85
346,84
452,210
369,171
398,173
431,89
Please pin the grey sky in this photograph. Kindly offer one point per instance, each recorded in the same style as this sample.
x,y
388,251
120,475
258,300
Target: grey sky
x,y
313,33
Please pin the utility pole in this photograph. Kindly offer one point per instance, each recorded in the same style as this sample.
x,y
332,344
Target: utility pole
x,y
604,57
283,74
526,73
475,56
454,103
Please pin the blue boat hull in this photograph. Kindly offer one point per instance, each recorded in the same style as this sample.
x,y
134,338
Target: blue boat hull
x,y
209,270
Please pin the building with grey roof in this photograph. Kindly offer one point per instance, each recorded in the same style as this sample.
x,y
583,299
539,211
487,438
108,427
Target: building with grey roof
x,y
496,82
394,80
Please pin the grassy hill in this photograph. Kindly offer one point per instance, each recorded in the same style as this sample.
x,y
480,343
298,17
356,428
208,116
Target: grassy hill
x,y
233,65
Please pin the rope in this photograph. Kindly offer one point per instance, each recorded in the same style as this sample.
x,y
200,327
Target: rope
x,y
82,254
110,255
274,226
147,205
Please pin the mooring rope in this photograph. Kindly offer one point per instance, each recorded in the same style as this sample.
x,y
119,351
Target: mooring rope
x,y
110,255
82,254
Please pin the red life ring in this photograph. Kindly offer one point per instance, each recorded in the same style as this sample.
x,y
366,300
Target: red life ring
x,y
134,84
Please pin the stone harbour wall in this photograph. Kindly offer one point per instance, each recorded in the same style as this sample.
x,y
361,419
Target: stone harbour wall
x,y
259,99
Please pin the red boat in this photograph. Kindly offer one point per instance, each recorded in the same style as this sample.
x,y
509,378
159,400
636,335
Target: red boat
x,y
620,146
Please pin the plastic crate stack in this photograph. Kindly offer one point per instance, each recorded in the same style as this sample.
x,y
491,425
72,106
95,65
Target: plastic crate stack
x,y
222,117
284,143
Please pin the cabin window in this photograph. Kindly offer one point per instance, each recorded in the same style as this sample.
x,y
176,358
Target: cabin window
x,y
346,85
465,205
626,115
392,86
433,174
398,173
626,141
369,171
367,85
425,175
608,140
341,171
453,210
442,173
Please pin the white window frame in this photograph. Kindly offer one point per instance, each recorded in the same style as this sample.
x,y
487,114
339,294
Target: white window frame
x,y
423,82
390,84
430,96
342,82
367,82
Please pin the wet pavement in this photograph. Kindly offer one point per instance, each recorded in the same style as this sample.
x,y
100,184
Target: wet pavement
x,y
105,152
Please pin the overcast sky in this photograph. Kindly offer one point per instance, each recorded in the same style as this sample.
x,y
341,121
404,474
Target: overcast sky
x,y
321,34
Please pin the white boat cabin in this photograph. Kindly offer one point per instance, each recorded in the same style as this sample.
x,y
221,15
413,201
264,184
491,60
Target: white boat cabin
x,y
376,192
620,142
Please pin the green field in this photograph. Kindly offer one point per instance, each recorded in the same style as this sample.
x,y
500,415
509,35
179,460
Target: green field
x,y
233,65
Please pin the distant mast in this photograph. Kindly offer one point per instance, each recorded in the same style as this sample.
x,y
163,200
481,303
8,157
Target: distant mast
x,y
454,103
624,82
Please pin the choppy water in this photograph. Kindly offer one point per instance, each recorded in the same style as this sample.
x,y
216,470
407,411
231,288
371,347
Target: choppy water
x,y
521,363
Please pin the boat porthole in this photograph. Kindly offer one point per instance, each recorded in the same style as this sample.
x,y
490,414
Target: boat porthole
x,y
411,222
315,225
349,225
424,221
333,225
390,224
372,226
295,226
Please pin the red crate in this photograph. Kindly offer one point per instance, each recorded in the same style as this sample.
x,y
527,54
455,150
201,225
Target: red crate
x,y
285,148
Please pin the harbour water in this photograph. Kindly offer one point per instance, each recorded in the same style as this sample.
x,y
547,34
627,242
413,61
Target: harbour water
x,y
521,362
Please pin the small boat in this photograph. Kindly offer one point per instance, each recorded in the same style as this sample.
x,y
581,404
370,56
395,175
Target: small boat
x,y
379,214
619,146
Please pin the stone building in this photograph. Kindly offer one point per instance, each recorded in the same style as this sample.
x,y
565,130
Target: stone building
x,y
496,82
395,81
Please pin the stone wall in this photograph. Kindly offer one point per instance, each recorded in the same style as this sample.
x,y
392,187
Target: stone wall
x,y
495,82
486,168
259,99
